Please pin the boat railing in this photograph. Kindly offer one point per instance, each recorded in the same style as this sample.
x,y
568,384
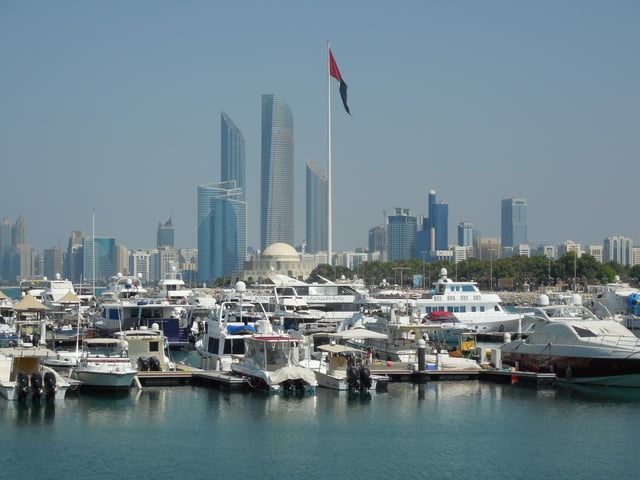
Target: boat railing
x,y
611,341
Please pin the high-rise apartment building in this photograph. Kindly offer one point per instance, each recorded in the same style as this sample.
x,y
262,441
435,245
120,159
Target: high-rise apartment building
x,y
277,175
222,230
232,153
317,209
514,222
6,229
617,249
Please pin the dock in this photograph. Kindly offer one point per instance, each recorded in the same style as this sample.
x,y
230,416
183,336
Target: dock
x,y
405,373
396,373
192,376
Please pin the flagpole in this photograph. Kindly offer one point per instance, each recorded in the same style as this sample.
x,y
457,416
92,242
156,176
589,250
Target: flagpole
x,y
329,154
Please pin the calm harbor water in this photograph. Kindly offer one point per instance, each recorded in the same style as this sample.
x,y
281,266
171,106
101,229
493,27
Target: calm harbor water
x,y
454,429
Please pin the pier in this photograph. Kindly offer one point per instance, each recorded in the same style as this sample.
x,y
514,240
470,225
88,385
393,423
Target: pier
x,y
396,373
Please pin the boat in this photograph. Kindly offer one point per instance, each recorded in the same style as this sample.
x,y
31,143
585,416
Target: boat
x,y
293,312
135,313
450,327
345,368
23,377
221,335
104,364
271,363
148,349
618,301
335,301
481,312
124,287
580,348
173,288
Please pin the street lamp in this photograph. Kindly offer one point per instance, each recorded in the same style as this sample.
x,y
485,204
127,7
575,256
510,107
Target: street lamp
x,y
401,270
491,270
423,270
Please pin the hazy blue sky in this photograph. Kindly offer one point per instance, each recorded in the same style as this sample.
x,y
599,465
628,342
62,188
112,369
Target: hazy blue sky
x,y
115,105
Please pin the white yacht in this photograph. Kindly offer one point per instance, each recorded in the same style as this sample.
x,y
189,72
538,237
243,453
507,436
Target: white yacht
x,y
220,340
481,312
173,288
570,341
334,301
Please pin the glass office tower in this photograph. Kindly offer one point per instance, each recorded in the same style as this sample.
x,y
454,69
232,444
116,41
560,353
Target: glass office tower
x,y
276,218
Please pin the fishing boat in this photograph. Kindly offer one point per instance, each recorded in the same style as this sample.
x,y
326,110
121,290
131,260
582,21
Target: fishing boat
x,y
23,377
345,368
271,363
148,349
104,364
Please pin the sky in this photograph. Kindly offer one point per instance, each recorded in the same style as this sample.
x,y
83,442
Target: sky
x,y
110,112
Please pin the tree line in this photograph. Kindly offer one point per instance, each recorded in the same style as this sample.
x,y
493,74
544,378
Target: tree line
x,y
515,273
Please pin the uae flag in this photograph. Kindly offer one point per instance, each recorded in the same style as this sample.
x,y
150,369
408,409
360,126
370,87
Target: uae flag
x,y
334,71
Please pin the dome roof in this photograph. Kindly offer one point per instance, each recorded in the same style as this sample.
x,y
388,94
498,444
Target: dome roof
x,y
280,250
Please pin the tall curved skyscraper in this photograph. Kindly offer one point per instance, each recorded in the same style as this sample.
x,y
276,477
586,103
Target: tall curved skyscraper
x,y
276,218
232,153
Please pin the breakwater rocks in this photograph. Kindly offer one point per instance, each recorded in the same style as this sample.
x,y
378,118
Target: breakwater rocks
x,y
531,298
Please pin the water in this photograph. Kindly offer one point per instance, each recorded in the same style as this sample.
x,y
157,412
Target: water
x,y
444,430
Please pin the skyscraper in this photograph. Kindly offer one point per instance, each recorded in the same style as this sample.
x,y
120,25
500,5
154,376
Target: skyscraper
x,y
435,228
165,234
465,234
401,234
276,219
514,222
222,230
317,209
101,265
232,153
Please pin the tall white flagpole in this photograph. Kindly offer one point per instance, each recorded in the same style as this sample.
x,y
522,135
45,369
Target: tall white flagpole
x,y
329,154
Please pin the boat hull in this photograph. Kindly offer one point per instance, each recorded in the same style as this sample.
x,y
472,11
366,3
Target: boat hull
x,y
91,378
619,372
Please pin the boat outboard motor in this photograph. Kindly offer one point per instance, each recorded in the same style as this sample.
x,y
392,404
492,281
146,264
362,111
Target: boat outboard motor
x,y
36,385
143,364
22,386
154,364
353,376
365,377
49,385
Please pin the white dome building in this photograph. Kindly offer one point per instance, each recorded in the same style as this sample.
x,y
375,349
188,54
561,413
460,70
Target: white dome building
x,y
280,258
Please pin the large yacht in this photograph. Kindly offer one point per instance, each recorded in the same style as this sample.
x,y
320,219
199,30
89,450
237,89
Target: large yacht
x,y
570,341
481,312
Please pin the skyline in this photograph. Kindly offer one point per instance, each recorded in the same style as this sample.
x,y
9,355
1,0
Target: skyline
x,y
116,107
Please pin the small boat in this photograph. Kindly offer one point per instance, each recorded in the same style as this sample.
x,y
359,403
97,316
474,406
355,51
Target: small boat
x,y
271,364
23,376
148,349
105,364
344,368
